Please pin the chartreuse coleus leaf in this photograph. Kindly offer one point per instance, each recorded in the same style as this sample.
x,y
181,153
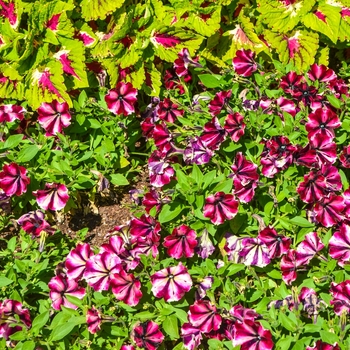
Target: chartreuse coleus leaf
x,y
324,19
323,56
344,27
11,46
153,80
11,83
242,37
283,17
45,84
298,47
94,9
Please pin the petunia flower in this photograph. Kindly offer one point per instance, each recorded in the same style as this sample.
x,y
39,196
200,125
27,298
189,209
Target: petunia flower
x,y
278,106
290,263
290,82
244,171
329,210
160,170
12,318
196,152
254,252
345,157
60,286
252,335
341,297
154,199
205,246
93,320
320,345
126,288
184,61
147,335
243,62
213,134
9,113
204,316
191,336
235,126
313,188
14,179
171,283
181,242
311,303
220,207
220,100
53,117
241,313
127,347
339,245
34,223
121,100
321,73
53,197
233,247
169,111
309,247
276,244
203,286
144,226
76,261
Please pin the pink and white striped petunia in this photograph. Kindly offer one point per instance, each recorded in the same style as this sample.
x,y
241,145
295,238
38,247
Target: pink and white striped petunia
x,y
93,320
14,179
329,210
234,126
171,283
320,345
191,336
321,73
252,335
12,318
341,297
339,245
76,261
100,269
309,247
276,244
127,347
243,63
53,117
34,223
244,171
121,100
169,111
160,170
60,286
144,226
220,207
126,288
181,242
204,316
53,197
147,335
254,252
289,266
9,113
213,134
219,102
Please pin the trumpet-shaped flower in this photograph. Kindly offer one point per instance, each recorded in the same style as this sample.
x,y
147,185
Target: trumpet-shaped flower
x,y
339,245
204,316
243,63
147,335
14,179
9,113
34,223
122,99
53,197
76,261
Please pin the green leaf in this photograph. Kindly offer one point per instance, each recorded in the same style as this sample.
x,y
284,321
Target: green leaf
x,y
225,186
170,327
197,174
28,153
40,321
64,329
302,222
334,101
94,9
11,244
119,180
4,281
13,141
28,345
170,212
329,337
210,80
286,322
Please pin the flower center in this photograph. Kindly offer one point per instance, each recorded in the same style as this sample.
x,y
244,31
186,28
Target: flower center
x,y
171,276
322,126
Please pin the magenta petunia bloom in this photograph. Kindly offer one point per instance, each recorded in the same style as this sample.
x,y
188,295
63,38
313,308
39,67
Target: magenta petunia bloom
x,y
276,244
233,247
329,210
254,252
144,226
321,73
245,193
127,347
161,135
53,197
278,106
339,245
220,207
9,113
160,170
196,152
341,297
324,148
76,261
93,320
235,126
171,283
345,157
121,100
309,247
169,111
322,121
320,345
100,269
241,313
60,286
34,223
13,179
244,171
191,336
12,318
181,242
53,117
289,265
290,82
213,134
219,102
184,61
252,335
126,288
243,63
204,316
147,335
313,188
154,199
203,286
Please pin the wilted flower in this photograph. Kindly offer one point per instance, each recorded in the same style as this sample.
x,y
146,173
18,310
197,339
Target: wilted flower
x,y
121,100
60,286
93,320
8,113
12,318
76,261
233,248
243,63
203,286
34,223
171,283
205,246
181,242
220,207
311,303
53,197
13,179
204,316
147,335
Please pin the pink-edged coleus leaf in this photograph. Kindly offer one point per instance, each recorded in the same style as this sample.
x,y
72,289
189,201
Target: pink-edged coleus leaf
x,y
121,99
44,82
52,23
204,316
60,286
76,261
7,10
63,57
85,38
171,283
220,207
181,242
165,40
53,197
9,113
339,245
126,288
53,117
14,179
147,335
